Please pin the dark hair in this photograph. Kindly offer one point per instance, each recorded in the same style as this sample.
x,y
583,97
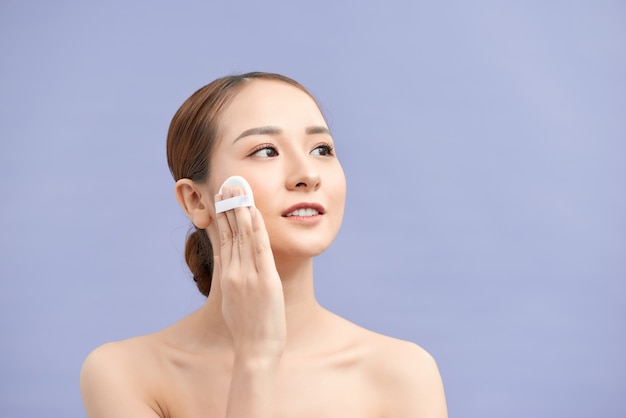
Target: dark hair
x,y
190,140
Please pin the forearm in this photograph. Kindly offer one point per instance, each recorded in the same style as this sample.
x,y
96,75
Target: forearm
x,y
252,388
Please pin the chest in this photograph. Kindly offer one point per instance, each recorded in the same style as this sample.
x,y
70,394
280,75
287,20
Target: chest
x,y
303,389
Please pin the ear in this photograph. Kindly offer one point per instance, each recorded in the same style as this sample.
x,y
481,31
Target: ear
x,y
194,201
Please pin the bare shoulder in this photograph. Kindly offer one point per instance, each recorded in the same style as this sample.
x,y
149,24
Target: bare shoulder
x,y
400,358
120,351
116,379
404,374
408,377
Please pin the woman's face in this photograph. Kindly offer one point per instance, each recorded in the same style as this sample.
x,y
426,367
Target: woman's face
x,y
274,135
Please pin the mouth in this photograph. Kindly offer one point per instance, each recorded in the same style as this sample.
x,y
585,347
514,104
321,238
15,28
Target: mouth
x,y
304,210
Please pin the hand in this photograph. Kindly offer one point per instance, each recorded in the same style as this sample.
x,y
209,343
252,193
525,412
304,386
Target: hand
x,y
252,295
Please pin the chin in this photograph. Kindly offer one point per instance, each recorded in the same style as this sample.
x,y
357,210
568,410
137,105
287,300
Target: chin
x,y
300,249
294,243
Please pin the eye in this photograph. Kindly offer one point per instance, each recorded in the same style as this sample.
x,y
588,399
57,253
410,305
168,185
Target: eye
x,y
265,151
323,150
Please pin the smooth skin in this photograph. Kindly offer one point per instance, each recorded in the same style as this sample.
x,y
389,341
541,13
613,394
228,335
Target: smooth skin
x,y
261,345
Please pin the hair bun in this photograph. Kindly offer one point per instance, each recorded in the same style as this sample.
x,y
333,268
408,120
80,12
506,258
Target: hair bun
x,y
199,257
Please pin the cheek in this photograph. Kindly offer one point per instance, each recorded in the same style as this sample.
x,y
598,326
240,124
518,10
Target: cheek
x,y
262,196
339,186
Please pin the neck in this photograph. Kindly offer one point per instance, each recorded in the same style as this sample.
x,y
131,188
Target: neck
x,y
301,307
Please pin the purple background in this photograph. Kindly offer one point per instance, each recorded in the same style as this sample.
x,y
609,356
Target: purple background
x,y
499,128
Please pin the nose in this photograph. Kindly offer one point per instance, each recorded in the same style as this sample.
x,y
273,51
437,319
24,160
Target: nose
x,y
303,176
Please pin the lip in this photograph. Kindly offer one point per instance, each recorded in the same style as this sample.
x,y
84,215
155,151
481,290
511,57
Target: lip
x,y
304,205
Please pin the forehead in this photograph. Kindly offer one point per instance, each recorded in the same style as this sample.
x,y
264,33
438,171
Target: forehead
x,y
270,103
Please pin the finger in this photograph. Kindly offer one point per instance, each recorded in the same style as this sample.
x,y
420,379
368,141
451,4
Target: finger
x,y
232,224
263,255
229,192
225,235
217,269
245,239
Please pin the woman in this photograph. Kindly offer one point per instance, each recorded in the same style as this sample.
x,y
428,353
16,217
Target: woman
x,y
261,345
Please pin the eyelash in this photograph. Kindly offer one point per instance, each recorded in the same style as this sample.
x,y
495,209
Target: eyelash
x,y
329,150
261,147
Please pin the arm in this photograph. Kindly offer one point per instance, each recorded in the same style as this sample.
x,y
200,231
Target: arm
x,y
252,388
253,308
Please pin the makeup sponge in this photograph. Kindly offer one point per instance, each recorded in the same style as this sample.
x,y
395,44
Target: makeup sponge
x,y
236,201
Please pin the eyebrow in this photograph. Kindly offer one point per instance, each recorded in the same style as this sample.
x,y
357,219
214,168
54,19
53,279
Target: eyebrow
x,y
317,130
273,130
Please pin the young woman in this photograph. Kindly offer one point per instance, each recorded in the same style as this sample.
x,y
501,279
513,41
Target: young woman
x,y
261,345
